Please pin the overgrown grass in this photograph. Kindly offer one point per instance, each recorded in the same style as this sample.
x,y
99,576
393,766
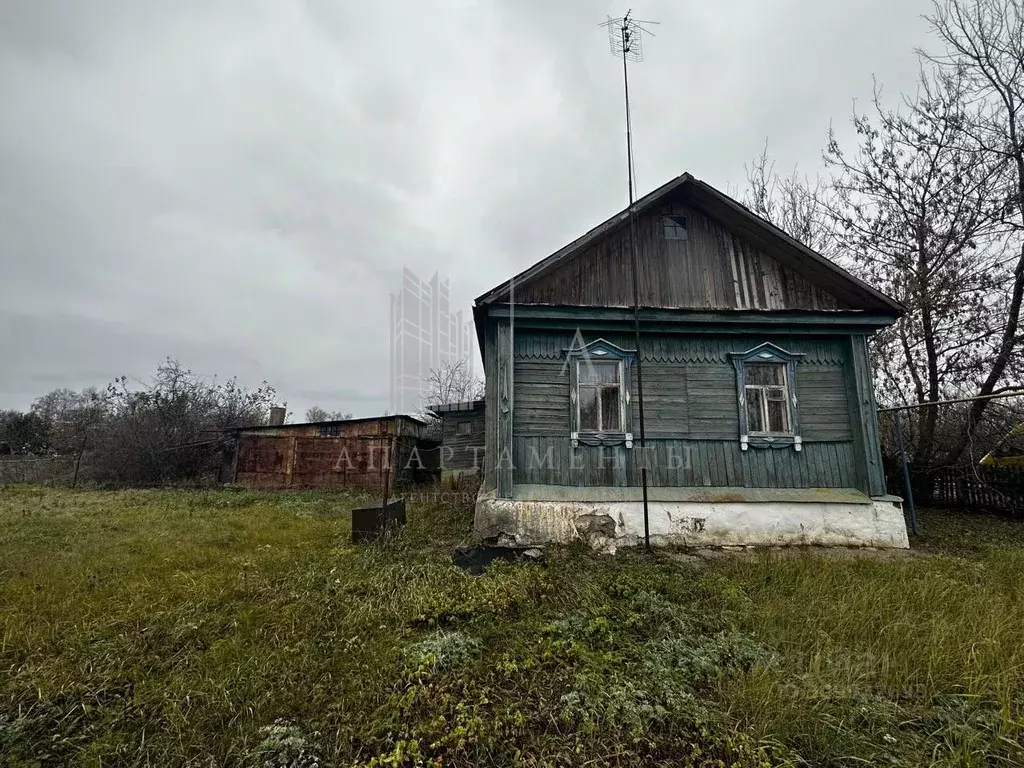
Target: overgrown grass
x,y
167,628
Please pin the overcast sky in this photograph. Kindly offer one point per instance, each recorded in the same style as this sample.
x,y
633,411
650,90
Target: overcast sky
x,y
239,183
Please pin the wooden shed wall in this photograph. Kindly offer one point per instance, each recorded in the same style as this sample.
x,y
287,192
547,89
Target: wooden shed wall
x,y
712,269
691,415
466,450
297,456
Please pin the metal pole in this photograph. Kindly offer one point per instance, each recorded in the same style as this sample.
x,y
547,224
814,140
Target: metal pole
x,y
636,294
511,378
78,461
907,491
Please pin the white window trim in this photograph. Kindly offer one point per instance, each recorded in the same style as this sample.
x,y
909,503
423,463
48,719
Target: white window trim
x,y
768,352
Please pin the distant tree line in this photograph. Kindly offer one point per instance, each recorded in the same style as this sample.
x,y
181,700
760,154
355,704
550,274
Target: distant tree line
x,y
174,427
928,205
169,429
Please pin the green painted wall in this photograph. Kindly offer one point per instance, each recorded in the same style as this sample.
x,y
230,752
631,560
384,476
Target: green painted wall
x,y
691,415
682,462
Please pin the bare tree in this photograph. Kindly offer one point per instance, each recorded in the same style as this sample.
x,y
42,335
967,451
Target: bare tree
x,y
984,45
70,416
919,214
316,413
170,428
452,383
794,204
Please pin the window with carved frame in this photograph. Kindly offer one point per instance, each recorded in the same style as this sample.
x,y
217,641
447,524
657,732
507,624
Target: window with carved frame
x,y
599,392
600,400
766,395
766,392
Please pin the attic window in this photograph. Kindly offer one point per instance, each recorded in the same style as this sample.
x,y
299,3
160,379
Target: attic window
x,y
463,428
676,227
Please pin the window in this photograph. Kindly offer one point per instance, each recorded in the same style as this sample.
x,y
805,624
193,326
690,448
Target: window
x,y
767,398
599,374
676,227
330,430
599,392
463,428
766,393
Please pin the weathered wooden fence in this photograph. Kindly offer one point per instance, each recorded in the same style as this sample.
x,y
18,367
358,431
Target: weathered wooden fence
x,y
982,489
42,470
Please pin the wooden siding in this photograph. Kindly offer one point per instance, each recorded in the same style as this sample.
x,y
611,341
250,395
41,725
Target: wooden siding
x,y
551,460
463,451
275,461
690,405
712,269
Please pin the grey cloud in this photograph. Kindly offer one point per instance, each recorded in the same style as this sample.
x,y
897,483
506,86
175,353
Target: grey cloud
x,y
240,183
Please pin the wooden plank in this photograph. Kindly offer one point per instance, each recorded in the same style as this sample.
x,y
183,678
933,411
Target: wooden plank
x,y
702,462
816,477
732,450
866,417
764,467
840,465
755,475
784,461
835,465
721,476
828,455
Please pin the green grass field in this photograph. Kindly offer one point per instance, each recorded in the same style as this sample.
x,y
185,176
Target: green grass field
x,y
172,628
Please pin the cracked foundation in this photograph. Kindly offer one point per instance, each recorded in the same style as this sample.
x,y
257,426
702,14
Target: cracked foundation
x,y
693,518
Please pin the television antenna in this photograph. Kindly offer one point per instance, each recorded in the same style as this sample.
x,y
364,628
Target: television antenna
x,y
625,36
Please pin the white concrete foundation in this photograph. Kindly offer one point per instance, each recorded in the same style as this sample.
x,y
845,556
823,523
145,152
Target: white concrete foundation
x,y
713,517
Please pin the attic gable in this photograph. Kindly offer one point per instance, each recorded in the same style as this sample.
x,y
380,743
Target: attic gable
x,y
696,249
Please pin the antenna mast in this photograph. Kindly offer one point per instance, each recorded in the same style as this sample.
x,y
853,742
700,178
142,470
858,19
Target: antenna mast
x,y
626,38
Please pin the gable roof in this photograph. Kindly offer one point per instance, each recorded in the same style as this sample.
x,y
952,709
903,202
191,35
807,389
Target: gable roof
x,y
741,220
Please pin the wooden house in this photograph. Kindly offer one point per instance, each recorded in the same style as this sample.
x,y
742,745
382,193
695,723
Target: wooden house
x,y
759,414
